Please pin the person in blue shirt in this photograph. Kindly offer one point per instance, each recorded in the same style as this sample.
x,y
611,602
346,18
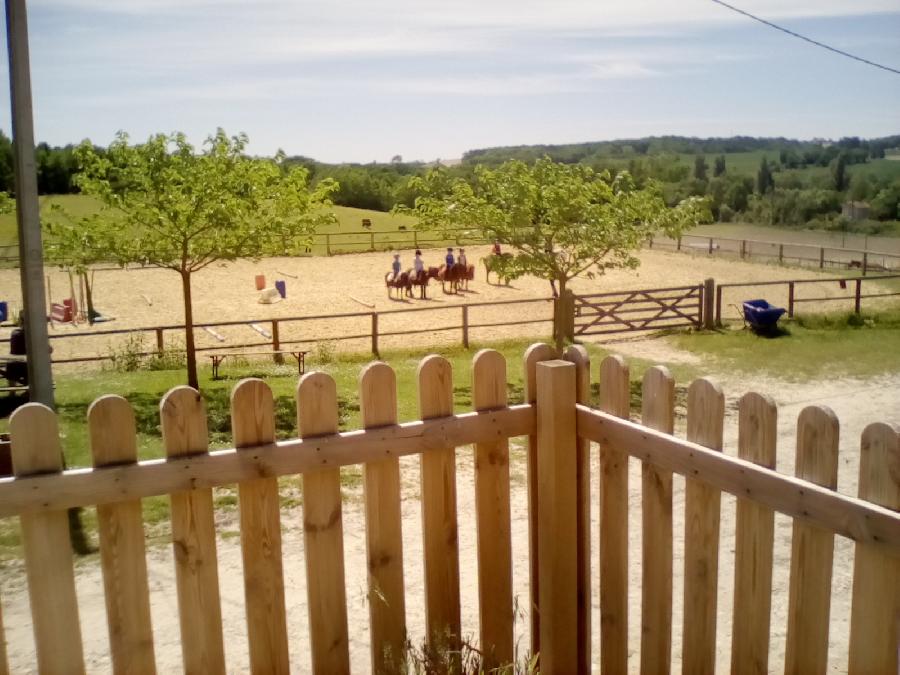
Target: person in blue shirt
x,y
395,267
449,259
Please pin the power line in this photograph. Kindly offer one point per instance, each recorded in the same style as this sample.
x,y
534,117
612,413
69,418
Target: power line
x,y
810,40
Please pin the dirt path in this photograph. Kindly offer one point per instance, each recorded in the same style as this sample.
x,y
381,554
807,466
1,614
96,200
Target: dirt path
x,y
856,402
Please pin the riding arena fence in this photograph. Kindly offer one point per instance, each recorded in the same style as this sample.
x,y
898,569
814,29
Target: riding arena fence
x,y
563,434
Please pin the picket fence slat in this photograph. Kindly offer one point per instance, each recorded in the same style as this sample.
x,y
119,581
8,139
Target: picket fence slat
x,y
754,541
875,612
812,548
492,516
702,511
384,537
123,556
323,533
657,412
578,355
557,517
850,517
533,355
48,553
184,433
615,398
252,424
439,524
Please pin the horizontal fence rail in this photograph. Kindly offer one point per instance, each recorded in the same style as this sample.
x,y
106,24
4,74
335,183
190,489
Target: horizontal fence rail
x,y
645,309
804,255
561,426
855,287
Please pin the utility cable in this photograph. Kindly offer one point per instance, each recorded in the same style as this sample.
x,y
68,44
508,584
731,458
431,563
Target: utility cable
x,y
810,40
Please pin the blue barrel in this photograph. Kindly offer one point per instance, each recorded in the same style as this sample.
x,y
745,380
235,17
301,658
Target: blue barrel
x,y
281,287
4,311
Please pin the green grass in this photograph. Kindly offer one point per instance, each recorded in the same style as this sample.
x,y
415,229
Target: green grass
x,y
830,345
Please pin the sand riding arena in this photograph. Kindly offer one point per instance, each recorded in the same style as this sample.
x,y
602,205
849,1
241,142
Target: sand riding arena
x,y
354,284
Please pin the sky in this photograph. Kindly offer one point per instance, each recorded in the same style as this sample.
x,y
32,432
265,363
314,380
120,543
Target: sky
x,y
365,80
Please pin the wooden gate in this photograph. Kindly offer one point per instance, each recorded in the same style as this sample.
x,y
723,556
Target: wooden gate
x,y
645,309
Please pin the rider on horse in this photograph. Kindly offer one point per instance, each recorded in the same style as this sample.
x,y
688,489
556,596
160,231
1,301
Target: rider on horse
x,y
449,259
395,267
462,258
496,248
418,266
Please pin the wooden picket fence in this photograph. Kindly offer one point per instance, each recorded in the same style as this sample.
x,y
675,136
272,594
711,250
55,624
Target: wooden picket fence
x,y
561,428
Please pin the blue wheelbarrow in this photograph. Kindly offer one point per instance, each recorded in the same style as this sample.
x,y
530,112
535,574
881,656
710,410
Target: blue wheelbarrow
x,y
761,316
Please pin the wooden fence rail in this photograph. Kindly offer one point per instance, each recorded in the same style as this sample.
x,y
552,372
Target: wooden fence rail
x,y
803,255
561,425
793,285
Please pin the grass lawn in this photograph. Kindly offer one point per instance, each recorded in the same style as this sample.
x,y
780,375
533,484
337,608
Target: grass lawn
x,y
832,345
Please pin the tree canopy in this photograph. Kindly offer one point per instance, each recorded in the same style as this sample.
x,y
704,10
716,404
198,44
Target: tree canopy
x,y
560,220
169,206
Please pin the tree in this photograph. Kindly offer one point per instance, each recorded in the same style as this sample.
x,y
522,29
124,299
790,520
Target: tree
x,y
719,169
839,172
561,220
764,179
700,167
169,206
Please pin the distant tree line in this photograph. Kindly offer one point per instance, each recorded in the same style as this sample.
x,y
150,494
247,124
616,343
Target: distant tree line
x,y
795,183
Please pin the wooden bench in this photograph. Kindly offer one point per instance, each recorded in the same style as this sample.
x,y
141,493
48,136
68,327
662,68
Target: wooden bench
x,y
221,356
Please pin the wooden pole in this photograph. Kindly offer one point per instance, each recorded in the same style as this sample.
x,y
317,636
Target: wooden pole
x,y
327,244
557,516
375,333
159,341
791,299
780,253
865,263
31,251
821,258
276,342
709,294
465,326
858,296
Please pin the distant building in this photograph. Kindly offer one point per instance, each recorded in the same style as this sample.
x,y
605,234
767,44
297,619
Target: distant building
x,y
855,210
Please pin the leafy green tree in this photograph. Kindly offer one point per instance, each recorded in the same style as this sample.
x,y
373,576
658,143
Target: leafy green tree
x,y
719,167
171,207
839,172
700,167
764,179
561,220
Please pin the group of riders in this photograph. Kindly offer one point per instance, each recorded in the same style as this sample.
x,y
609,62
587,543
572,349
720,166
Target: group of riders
x,y
418,268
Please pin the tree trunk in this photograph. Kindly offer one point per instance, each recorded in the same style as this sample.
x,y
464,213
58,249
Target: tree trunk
x,y
561,319
189,330
88,297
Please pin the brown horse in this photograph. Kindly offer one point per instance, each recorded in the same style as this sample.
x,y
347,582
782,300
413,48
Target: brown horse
x,y
499,265
446,275
464,274
401,283
420,280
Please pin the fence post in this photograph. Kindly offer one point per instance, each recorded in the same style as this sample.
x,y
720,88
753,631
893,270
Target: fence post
x,y
858,294
371,241
821,257
719,305
710,245
709,292
375,333
743,248
415,239
276,342
678,244
159,341
865,263
557,516
780,254
327,244
790,299
650,242
465,326
564,316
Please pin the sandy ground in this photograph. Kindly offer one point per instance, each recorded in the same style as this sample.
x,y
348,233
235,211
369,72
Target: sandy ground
x,y
351,283
856,402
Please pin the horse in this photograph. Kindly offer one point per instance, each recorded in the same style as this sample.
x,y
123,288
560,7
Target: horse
x,y
499,264
445,276
420,280
401,282
464,274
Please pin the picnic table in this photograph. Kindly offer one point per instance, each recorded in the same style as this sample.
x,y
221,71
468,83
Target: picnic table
x,y
221,356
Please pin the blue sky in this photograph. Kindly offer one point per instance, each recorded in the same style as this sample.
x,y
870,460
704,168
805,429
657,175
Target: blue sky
x,y
363,80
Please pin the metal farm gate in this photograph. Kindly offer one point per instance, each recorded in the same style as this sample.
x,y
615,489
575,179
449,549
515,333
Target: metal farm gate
x,y
645,309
